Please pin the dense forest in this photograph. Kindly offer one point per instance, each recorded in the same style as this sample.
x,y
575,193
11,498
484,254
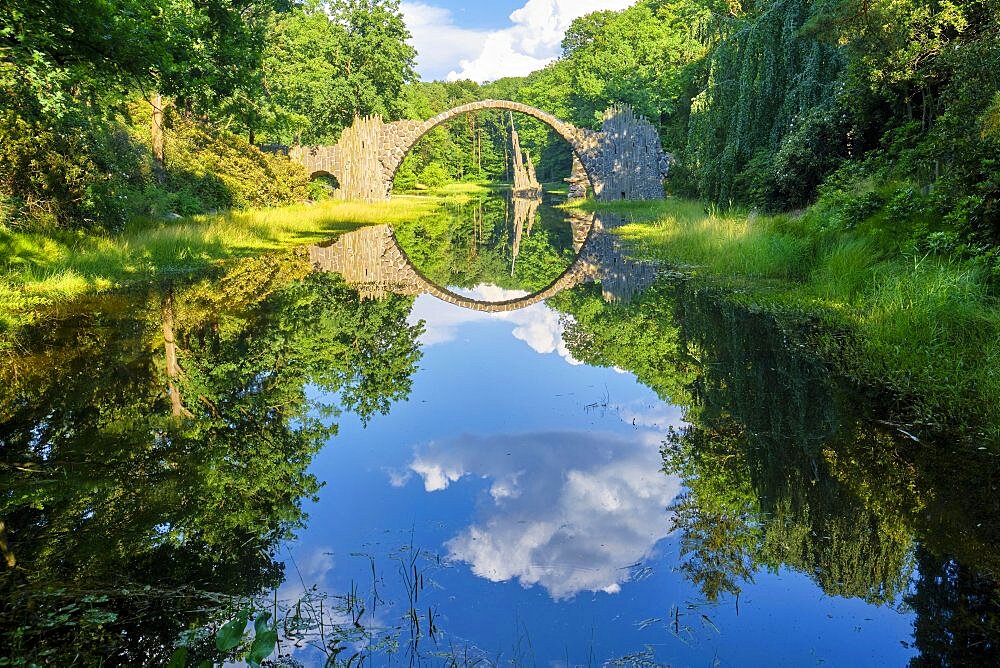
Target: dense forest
x,y
885,107
112,110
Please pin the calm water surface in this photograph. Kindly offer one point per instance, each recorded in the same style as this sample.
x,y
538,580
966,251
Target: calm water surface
x,y
629,472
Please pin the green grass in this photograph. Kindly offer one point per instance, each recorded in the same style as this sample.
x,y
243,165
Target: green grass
x,y
458,190
39,269
927,329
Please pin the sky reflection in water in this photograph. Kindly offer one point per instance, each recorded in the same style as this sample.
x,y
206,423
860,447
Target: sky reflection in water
x,y
537,481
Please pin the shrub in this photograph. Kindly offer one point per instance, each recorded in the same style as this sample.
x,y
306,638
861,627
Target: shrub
x,y
434,175
223,170
68,172
96,173
789,178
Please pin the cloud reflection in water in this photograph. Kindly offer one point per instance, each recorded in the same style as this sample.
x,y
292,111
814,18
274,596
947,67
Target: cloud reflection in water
x,y
536,325
569,510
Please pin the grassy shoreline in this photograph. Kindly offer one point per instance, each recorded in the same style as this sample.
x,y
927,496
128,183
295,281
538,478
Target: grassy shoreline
x,y
40,269
925,327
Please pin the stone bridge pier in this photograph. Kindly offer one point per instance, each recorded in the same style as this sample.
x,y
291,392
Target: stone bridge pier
x,y
624,160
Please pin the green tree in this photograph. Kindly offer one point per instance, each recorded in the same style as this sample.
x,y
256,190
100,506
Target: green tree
x,y
326,62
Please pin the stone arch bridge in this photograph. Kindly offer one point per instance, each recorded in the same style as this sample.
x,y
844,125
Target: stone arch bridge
x,y
624,160
371,260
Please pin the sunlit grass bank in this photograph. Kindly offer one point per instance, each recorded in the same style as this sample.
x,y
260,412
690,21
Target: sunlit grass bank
x,y
38,269
926,327
458,190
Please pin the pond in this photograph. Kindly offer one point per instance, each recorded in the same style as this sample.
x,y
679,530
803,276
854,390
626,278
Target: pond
x,y
490,437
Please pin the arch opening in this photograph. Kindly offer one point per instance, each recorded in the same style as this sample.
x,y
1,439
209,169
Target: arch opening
x,y
475,143
323,184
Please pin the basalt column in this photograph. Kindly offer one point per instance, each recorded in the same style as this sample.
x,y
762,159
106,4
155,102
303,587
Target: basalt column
x,y
629,157
360,168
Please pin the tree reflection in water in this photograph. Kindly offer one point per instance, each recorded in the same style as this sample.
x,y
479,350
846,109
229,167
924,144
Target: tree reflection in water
x,y
155,450
787,466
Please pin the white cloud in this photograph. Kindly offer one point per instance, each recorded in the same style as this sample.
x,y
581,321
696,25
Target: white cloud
x,y
658,417
311,568
440,44
529,43
570,511
399,478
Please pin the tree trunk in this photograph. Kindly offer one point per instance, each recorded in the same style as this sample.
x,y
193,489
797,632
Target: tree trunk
x,y
173,366
156,101
8,554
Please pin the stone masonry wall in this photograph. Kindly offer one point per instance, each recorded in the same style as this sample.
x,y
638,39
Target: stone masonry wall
x,y
623,160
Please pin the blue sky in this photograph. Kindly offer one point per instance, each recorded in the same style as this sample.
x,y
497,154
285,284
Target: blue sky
x,y
480,15
484,41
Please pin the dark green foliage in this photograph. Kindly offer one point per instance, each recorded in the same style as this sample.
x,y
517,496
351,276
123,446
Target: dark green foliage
x,y
79,171
758,82
761,103
67,172
133,518
816,145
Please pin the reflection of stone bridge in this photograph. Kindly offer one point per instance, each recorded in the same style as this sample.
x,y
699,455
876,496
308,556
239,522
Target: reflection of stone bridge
x,y
624,160
371,260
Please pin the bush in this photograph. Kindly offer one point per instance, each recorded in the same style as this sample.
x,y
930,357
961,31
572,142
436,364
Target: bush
x,y
66,173
434,175
96,173
223,170
789,178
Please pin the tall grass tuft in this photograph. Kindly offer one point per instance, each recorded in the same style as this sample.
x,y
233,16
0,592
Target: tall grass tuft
x,y
931,333
719,243
845,269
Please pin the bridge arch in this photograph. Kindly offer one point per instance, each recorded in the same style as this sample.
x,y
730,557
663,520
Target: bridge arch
x,y
404,135
624,160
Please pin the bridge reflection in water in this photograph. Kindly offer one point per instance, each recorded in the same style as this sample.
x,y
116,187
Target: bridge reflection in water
x,y
372,261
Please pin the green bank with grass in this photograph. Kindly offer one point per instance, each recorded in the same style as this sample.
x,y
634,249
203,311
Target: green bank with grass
x,y
42,269
921,322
